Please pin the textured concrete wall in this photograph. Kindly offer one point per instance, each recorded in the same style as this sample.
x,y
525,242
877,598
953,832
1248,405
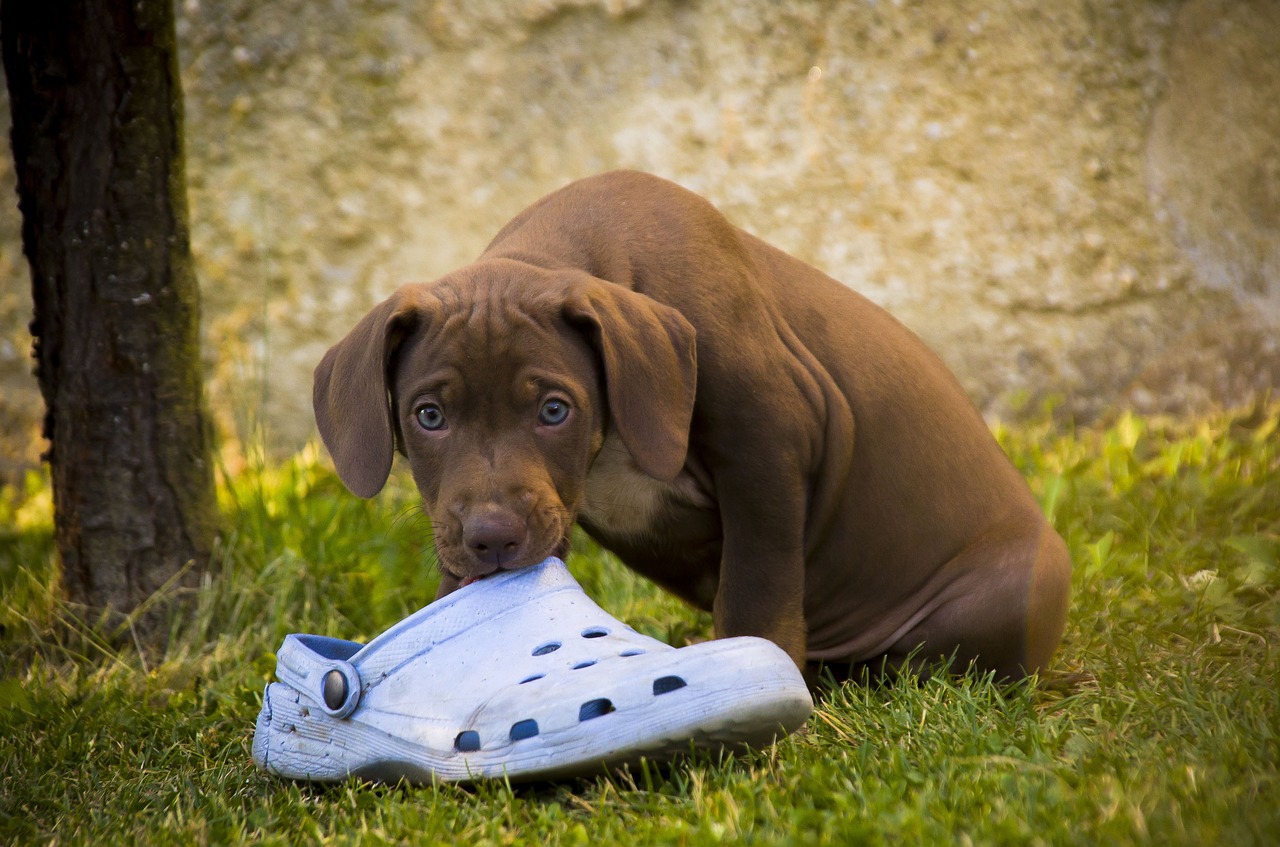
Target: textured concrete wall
x,y
1076,199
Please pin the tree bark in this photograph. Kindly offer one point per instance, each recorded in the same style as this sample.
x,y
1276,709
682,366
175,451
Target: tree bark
x,y
96,103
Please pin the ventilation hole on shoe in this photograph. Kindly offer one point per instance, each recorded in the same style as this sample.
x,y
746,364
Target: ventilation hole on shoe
x,y
467,741
663,684
594,709
521,730
549,647
585,664
595,632
627,653
532,678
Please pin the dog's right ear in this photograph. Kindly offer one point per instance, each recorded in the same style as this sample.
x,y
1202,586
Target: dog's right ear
x,y
650,368
351,391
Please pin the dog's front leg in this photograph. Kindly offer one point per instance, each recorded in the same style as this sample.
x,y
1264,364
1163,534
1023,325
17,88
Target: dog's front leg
x,y
761,589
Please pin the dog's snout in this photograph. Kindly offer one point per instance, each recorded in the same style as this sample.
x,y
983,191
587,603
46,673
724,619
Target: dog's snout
x,y
494,538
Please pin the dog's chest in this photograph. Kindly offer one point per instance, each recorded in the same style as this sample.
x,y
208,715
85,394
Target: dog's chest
x,y
620,499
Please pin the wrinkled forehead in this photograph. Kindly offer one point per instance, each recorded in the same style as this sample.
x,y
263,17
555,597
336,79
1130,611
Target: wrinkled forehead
x,y
492,326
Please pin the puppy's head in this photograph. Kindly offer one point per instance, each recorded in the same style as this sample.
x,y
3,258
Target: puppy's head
x,y
499,382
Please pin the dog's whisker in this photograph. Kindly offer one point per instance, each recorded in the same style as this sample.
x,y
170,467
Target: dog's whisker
x,y
408,513
410,524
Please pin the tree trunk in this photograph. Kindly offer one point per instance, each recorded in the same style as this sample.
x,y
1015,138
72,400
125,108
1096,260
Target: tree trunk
x,y
96,103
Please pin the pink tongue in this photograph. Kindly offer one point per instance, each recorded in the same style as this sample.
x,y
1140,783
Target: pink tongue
x,y
472,579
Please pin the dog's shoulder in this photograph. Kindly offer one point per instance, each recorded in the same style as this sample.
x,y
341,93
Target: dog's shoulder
x,y
621,499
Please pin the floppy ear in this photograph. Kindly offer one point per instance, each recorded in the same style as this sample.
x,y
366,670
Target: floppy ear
x,y
650,369
351,393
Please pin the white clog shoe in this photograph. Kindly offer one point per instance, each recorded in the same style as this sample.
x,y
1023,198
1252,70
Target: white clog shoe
x,y
521,676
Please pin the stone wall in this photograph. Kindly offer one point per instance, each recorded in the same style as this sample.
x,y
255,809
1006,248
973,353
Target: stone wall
x,y
1075,200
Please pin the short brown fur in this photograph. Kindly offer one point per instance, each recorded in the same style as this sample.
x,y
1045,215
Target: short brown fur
x,y
739,427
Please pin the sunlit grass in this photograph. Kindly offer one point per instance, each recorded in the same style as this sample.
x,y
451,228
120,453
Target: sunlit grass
x,y
1160,721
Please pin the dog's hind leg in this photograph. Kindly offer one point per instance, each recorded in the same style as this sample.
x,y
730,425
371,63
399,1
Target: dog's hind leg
x,y
1004,608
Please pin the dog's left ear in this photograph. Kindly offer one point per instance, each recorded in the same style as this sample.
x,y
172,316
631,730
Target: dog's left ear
x,y
650,369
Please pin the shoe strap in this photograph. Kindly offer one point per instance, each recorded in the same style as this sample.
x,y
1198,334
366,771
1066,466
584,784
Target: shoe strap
x,y
317,667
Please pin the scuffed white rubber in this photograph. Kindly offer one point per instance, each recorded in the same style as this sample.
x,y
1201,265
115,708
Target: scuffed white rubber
x,y
521,676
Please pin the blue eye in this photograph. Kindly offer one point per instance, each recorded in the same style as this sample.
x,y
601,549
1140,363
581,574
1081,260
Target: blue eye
x,y
553,412
430,417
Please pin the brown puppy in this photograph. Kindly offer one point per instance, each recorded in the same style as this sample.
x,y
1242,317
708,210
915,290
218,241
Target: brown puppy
x,y
812,474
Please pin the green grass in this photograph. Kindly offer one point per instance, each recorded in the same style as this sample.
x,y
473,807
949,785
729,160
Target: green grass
x,y
1161,722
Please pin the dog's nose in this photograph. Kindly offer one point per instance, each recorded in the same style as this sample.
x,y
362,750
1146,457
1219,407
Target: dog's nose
x,y
494,538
